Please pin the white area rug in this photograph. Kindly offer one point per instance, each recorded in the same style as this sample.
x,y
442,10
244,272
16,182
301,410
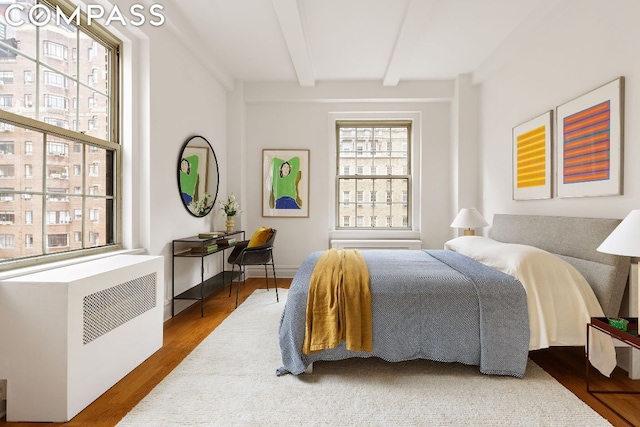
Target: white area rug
x,y
229,379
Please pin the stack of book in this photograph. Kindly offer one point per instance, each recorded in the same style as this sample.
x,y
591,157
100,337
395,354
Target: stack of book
x,y
209,235
204,249
227,241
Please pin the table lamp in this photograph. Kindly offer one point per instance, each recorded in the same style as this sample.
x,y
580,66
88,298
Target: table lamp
x,y
469,218
625,238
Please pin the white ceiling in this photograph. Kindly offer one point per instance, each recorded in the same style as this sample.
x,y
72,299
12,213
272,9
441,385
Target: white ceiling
x,y
309,41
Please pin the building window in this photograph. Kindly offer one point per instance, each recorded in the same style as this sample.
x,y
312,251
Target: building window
x,y
58,217
55,79
57,149
6,194
7,241
56,102
28,241
6,77
376,172
72,187
57,240
55,50
6,101
28,217
7,147
7,217
7,171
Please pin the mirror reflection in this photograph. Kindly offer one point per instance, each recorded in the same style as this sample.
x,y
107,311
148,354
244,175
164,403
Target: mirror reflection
x,y
198,176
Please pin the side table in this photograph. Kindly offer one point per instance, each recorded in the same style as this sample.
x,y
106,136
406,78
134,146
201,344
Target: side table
x,y
629,337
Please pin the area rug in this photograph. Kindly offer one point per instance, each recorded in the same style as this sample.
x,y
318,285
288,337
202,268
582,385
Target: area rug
x,y
229,379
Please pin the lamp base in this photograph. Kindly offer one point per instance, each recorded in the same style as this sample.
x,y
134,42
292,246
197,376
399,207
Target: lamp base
x,y
469,232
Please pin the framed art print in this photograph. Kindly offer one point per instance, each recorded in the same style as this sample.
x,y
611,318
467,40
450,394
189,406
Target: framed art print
x,y
589,143
532,158
285,183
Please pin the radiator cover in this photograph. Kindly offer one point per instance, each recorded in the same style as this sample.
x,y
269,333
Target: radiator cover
x,y
69,334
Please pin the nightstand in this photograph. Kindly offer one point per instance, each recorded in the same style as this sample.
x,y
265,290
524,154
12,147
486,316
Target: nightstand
x,y
629,337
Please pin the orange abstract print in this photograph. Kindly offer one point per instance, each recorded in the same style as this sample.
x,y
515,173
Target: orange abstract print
x,y
586,152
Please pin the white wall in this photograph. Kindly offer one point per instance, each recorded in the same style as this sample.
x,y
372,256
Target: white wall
x,y
170,96
563,52
285,116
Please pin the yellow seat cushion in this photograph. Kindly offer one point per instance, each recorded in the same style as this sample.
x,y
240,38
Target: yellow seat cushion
x,y
260,237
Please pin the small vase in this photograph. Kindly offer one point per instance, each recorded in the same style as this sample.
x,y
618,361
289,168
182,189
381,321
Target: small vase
x,y
230,224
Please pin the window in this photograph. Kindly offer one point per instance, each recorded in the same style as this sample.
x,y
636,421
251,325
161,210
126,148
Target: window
x,y
57,149
6,194
55,79
6,101
54,50
28,240
58,217
6,77
7,147
7,241
71,170
56,102
7,171
7,217
381,190
57,240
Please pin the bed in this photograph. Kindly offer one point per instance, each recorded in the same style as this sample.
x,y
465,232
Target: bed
x,y
464,304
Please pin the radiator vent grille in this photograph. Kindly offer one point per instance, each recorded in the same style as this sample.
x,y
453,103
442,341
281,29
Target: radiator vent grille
x,y
105,310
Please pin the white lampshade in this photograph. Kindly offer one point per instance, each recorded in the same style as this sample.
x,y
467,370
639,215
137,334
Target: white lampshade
x,y
469,218
625,239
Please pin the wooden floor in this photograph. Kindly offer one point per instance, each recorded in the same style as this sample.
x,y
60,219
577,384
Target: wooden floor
x,y
187,329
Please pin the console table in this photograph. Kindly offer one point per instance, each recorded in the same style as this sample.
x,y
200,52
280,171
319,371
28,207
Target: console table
x,y
181,248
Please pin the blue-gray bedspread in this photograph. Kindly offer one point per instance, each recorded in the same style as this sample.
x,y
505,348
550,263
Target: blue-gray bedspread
x,y
426,304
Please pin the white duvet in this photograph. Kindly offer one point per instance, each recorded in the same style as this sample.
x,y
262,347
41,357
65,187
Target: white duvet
x,y
559,299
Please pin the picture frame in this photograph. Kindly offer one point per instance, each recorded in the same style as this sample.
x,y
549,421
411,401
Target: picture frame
x,y
532,158
590,143
285,183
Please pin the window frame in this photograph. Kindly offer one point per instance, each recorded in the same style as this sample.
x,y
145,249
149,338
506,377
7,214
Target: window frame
x,y
359,175
111,143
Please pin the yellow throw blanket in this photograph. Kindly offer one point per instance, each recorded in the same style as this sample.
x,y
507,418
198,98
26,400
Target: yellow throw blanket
x,y
339,303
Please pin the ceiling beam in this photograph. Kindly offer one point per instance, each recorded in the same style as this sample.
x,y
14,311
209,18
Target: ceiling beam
x,y
413,25
293,32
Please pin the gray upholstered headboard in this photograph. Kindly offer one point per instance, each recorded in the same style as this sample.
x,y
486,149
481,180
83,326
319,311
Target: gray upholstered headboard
x,y
575,240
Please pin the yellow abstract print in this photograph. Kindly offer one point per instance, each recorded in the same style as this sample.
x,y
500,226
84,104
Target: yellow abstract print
x,y
532,158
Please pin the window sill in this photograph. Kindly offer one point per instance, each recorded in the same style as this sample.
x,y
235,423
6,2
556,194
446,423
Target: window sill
x,y
22,271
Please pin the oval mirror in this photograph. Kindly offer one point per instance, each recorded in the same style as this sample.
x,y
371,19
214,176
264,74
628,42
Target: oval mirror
x,y
198,176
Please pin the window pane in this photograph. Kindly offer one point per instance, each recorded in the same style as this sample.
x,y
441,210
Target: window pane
x,y
20,166
25,228
96,222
